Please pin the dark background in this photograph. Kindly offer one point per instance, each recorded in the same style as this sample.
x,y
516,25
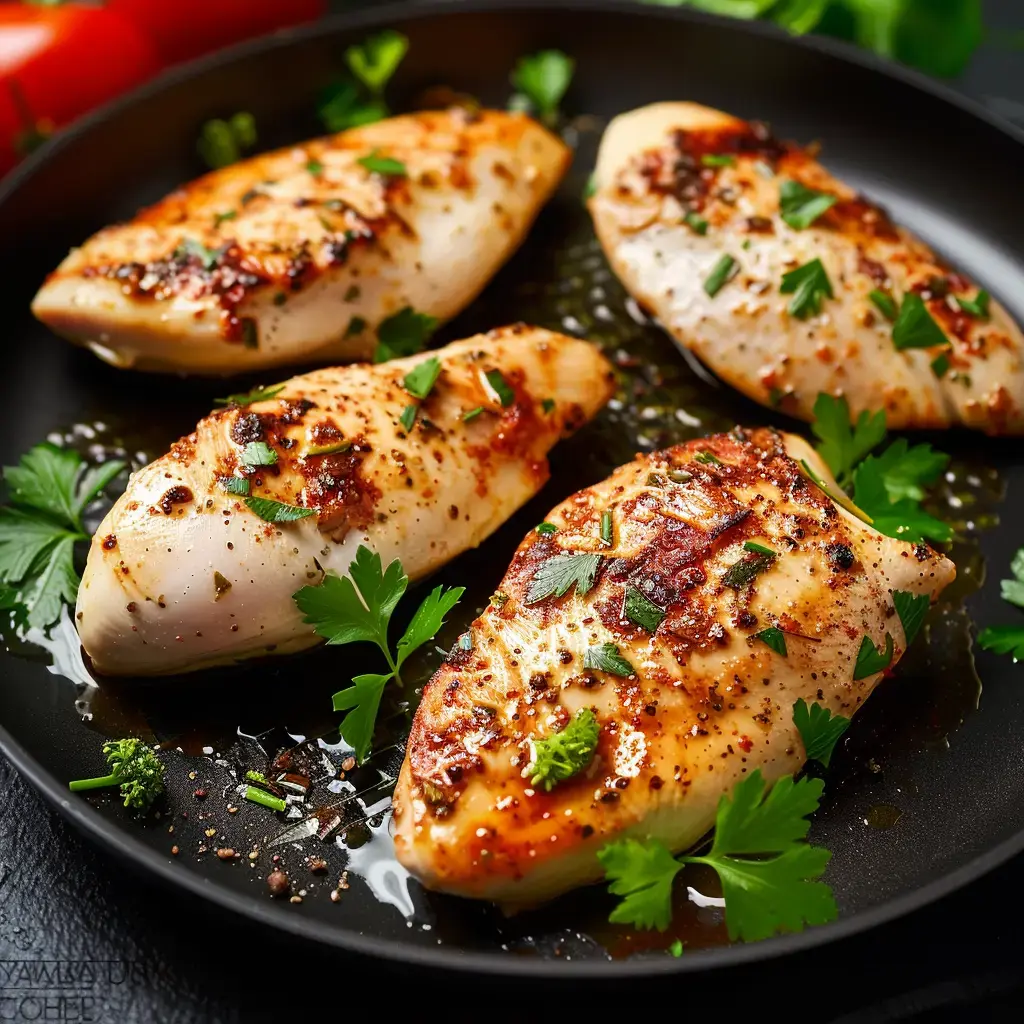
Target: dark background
x,y
61,899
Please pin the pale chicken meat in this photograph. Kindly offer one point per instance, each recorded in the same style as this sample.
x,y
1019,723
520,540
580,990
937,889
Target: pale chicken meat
x,y
299,255
689,207
668,573
187,570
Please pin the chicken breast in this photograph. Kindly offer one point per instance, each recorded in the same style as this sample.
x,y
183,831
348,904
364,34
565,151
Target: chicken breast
x,y
299,255
681,190
659,637
186,570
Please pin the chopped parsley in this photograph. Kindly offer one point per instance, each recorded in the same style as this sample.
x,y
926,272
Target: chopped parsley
x,y
408,417
976,307
706,458
558,574
819,729
1008,639
235,485
258,453
718,160
751,565
222,142
420,380
497,383
545,529
375,60
403,334
332,448
541,80
272,511
940,365
872,659
547,406
760,549
639,609
356,326
721,273
468,417
606,528
384,165
314,166
769,873
220,218
801,206
809,285
912,609
884,303
561,755
774,638
606,658
695,222
915,327
249,397
350,103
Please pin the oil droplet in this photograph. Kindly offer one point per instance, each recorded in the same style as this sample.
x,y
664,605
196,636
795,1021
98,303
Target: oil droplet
x,y
883,816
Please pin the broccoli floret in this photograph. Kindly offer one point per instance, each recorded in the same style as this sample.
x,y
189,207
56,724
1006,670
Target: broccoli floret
x,y
134,767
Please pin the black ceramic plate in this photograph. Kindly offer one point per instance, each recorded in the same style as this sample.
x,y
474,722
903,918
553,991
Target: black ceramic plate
x,y
927,791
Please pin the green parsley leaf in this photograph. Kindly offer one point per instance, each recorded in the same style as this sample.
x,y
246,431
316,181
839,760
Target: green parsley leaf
x,y
220,218
752,545
403,334
801,206
695,222
743,572
718,160
497,383
721,273
375,60
915,327
331,448
362,702
906,472
468,417
940,365
561,755
643,874
558,574
810,284
676,949
705,458
774,638
408,417
384,165
819,729
277,511
842,447
258,453
639,609
872,659
547,406
427,621
341,106
542,80
884,303
249,397
606,658
877,479
1013,590
912,609
235,485
545,529
356,326
314,166
420,380
1003,640
223,142
976,307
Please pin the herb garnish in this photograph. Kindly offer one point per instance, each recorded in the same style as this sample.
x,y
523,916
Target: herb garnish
x,y
541,80
49,491
606,658
774,638
976,307
222,142
497,383
545,529
350,103
915,327
872,659
706,458
189,248
358,607
248,397
695,222
420,380
884,303
801,206
235,485
1008,639
258,453
721,273
841,447
639,609
810,284
220,218
561,755
912,609
606,528
356,326
940,365
743,572
718,160
769,873
403,334
134,767
558,574
314,166
819,729
408,417
383,165
272,511
468,417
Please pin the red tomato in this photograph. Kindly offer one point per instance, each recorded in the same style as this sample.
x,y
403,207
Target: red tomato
x,y
183,29
58,62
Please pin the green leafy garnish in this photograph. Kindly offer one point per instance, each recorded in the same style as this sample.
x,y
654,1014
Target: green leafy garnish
x,y
809,284
842,447
801,206
718,160
558,574
497,383
265,799
235,485
940,365
639,609
348,104
705,458
721,273
189,248
220,218
344,105
314,166
915,327
408,417
561,755
606,528
695,222
403,334
49,491
470,415
976,307
752,545
819,729
872,659
769,873
248,397
222,142
1003,640
358,608
751,565
134,767
884,303
912,609
376,59
420,380
545,529
676,949
541,80
258,453
384,165
272,511
606,658
774,638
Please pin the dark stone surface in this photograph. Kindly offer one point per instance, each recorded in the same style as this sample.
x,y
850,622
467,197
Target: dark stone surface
x,y
169,958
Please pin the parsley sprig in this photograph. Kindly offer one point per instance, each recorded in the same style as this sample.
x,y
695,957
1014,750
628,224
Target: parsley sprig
x,y
769,873
541,80
1008,639
224,141
359,99
49,491
819,729
403,334
358,608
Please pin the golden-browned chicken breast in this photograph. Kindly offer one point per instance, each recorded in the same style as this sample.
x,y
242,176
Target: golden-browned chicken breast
x,y
718,229
300,255
197,562
647,606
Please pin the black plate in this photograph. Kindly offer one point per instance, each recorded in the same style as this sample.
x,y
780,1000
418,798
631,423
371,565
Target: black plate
x,y
943,166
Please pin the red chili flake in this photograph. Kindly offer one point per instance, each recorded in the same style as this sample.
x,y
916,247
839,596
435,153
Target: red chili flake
x,y
745,744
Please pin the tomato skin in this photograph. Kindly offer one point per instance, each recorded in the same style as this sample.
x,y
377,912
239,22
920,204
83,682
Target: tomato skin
x,y
182,29
62,61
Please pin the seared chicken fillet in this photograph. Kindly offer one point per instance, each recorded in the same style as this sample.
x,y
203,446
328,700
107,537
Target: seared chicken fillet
x,y
702,700
183,573
298,255
681,187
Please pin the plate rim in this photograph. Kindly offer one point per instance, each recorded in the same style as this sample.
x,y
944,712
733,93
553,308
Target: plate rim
x,y
120,842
